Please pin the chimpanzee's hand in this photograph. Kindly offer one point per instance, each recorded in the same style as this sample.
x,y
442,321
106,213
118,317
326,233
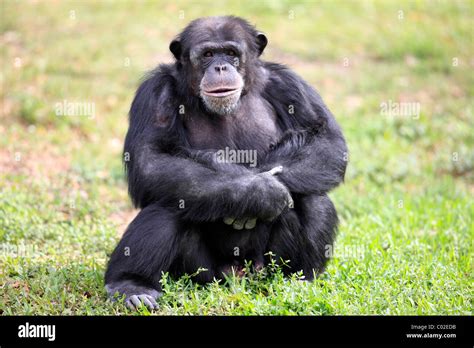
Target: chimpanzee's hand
x,y
273,197
266,198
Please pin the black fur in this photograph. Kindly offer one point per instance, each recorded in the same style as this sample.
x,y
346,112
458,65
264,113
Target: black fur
x,y
170,160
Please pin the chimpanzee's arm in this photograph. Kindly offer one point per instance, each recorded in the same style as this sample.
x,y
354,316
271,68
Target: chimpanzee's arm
x,y
313,152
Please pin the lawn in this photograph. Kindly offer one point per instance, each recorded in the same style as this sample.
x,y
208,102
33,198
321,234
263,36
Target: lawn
x,y
405,242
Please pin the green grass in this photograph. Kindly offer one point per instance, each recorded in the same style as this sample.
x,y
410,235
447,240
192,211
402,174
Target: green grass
x,y
405,238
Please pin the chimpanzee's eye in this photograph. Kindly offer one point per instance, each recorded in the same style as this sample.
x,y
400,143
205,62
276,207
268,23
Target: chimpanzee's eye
x,y
231,53
208,54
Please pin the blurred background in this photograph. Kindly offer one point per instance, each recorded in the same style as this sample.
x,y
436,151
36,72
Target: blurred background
x,y
397,76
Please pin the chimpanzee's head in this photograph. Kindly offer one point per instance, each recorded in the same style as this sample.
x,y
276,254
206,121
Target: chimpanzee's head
x,y
217,56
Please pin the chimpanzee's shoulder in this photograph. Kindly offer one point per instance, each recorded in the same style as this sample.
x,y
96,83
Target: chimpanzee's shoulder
x,y
282,80
163,77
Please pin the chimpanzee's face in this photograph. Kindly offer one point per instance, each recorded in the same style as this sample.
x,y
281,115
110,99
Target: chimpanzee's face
x,y
221,81
216,56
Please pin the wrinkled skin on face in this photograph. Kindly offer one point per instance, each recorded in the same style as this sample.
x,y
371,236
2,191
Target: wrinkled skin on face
x,y
221,87
216,55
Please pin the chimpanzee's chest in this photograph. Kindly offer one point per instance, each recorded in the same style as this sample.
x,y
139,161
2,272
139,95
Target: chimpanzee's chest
x,y
252,127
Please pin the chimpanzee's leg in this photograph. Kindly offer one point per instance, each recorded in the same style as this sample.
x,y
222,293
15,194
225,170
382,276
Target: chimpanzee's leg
x,y
304,234
193,254
151,244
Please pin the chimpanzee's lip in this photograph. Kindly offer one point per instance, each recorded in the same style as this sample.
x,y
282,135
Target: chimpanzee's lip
x,y
221,92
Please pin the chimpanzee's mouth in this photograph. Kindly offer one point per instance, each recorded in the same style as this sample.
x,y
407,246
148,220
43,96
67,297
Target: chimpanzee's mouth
x,y
221,92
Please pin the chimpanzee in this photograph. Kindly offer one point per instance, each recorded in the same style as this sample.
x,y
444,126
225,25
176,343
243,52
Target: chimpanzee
x,y
229,157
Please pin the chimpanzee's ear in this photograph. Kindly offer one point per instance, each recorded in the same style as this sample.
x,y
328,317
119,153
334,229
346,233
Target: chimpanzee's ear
x,y
175,48
261,42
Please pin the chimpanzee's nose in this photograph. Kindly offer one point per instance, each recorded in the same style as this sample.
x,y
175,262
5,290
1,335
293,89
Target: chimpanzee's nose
x,y
220,67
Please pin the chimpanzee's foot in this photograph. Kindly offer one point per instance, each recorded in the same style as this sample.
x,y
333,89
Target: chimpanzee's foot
x,y
135,295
